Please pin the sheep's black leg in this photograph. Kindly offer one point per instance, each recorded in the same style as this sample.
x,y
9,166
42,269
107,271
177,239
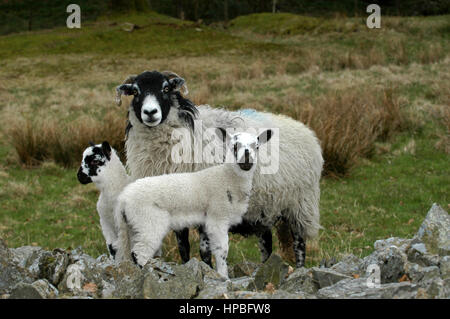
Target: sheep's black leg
x,y
205,250
183,244
299,246
265,244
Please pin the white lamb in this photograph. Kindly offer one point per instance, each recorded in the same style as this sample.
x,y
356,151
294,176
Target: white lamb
x,y
102,166
216,197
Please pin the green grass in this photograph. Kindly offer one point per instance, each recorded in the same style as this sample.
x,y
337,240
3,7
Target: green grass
x,y
386,195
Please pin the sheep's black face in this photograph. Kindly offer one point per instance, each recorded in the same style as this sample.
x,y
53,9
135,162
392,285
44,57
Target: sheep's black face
x,y
94,158
154,94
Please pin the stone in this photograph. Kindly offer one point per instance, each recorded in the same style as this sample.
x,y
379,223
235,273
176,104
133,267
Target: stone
x,y
359,288
444,267
214,289
22,255
418,254
299,282
123,281
435,231
274,271
348,265
243,283
10,273
278,294
419,274
53,266
40,289
163,281
390,261
246,268
326,277
400,243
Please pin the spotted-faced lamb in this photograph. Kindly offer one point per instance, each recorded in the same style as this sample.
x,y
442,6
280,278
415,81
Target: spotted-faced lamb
x,y
216,197
290,194
102,166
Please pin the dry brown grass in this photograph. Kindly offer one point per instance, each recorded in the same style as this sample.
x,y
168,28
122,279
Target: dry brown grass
x,y
38,140
347,122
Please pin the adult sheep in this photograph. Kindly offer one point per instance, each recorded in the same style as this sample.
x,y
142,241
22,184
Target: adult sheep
x,y
291,194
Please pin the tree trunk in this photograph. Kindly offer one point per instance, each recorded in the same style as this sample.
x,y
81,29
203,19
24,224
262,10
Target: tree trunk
x,y
274,6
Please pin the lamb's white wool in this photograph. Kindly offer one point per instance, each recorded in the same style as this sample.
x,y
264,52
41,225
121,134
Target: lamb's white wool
x,y
110,177
216,197
292,193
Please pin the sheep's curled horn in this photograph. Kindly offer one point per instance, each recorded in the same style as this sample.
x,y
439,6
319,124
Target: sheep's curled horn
x,y
128,80
172,75
132,78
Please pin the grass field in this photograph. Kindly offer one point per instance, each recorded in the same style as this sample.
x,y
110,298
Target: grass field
x,y
378,99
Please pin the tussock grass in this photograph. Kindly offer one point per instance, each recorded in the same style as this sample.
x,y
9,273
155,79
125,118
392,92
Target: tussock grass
x,y
38,140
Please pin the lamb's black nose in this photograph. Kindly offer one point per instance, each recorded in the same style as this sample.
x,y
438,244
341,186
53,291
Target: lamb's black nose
x,y
247,156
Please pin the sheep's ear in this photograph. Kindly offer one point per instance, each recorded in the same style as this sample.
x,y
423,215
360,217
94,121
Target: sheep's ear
x,y
265,136
223,134
126,88
176,83
106,149
172,75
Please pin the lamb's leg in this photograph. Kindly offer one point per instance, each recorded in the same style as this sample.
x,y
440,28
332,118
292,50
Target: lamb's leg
x,y
299,245
218,235
265,244
205,251
150,233
183,244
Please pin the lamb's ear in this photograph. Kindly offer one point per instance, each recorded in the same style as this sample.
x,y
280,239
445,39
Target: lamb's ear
x,y
126,88
265,136
106,149
223,134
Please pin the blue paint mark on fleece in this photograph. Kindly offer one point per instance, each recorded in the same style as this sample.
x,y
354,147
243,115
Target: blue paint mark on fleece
x,y
250,113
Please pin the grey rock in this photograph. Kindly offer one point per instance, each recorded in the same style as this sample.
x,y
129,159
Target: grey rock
x,y
299,282
278,294
122,281
358,288
435,231
246,268
400,243
22,255
40,289
84,277
418,254
214,289
274,271
444,266
243,283
434,289
163,281
326,277
348,265
419,274
10,273
390,261
53,266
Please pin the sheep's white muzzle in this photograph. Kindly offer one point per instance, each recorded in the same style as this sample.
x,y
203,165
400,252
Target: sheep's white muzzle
x,y
151,111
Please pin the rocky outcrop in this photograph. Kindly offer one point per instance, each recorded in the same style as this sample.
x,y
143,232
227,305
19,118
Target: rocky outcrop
x,y
398,268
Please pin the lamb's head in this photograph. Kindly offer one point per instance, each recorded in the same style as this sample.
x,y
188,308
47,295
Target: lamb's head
x,y
155,95
95,159
244,146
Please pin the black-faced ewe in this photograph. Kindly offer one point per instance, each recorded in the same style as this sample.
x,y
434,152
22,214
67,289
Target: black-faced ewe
x,y
102,166
216,197
289,195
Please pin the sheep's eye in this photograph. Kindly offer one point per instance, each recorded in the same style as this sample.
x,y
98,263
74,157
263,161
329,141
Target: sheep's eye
x,y
95,162
166,89
135,92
